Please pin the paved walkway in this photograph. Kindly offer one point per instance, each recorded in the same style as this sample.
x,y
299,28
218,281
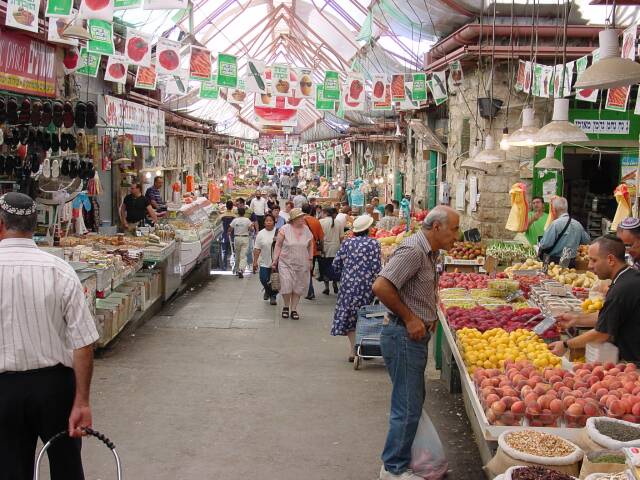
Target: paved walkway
x,y
217,386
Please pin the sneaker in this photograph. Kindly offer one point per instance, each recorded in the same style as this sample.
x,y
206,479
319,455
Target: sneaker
x,y
240,275
265,296
273,301
407,475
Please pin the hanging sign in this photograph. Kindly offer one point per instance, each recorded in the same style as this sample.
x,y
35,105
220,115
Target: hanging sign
x,y
71,60
26,65
355,87
116,70
97,9
88,63
126,4
637,109
178,83
293,102
377,92
321,158
629,42
408,103
280,80
321,103
304,85
101,32
330,154
456,75
227,70
588,94
397,87
164,4
145,124
146,77
519,84
419,87
528,74
23,14
138,48
55,27
346,148
168,56
313,158
386,104
536,86
560,88
610,127
200,64
255,80
58,8
237,95
438,86
351,105
331,86
265,99
617,98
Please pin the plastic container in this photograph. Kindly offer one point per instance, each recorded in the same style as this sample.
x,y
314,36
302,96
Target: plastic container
x,y
578,421
543,419
601,352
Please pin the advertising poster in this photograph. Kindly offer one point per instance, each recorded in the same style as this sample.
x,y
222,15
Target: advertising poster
x,y
331,86
101,32
146,77
227,70
386,104
438,85
280,80
304,85
419,87
23,14
126,4
116,70
378,89
617,98
237,95
588,94
58,8
456,75
629,42
200,64
27,65
138,48
97,9
321,102
55,28
355,87
168,56
88,63
254,79
397,87
519,85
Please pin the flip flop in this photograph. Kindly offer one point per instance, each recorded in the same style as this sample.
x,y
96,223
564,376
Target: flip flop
x,y
64,169
294,315
64,142
285,312
67,115
72,142
55,142
12,111
46,167
34,162
47,114
55,168
36,113
81,140
46,140
58,111
92,115
73,169
81,114
25,111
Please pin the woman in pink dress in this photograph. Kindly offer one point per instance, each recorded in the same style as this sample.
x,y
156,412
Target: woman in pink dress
x,y
292,259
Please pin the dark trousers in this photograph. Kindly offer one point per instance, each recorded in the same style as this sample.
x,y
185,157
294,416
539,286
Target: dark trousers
x,y
265,278
260,219
36,404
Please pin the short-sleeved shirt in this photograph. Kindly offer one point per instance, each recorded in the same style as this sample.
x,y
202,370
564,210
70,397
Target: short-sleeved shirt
x,y
412,270
259,206
241,226
316,229
153,195
136,207
620,314
536,229
263,242
573,236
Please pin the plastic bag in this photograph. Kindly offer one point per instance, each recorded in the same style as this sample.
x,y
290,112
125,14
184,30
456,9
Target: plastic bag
x,y
427,455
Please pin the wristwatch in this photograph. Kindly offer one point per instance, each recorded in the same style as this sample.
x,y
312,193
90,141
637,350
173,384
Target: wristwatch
x,y
565,344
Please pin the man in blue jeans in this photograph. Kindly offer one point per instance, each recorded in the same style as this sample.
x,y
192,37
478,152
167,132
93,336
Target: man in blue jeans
x,y
407,286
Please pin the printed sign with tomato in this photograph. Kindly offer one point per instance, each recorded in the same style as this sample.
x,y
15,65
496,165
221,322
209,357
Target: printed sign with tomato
x,y
378,87
586,94
200,64
97,9
23,14
137,48
101,32
168,56
59,8
629,42
355,87
227,70
386,104
116,70
146,77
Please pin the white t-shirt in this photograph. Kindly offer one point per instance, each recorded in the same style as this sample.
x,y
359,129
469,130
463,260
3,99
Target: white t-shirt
x,y
284,215
263,242
331,236
241,226
342,218
259,206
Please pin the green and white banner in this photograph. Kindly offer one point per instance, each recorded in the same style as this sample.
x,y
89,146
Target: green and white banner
x,y
321,103
227,70
88,63
419,88
209,90
101,33
331,90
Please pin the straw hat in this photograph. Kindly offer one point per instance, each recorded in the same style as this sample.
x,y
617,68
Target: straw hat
x,y
295,213
362,223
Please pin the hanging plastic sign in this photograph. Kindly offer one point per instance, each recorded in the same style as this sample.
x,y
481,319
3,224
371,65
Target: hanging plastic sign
x,y
330,153
209,90
178,83
637,112
547,85
520,74
629,42
438,86
126,4
456,76
280,80
97,9
561,89
138,48
164,4
397,87
331,86
101,32
379,82
346,148
527,77
304,82
304,159
355,87
146,77
386,104
56,26
265,99
58,8
419,87
71,60
321,103
338,149
237,95
617,98
255,80
313,158
293,102
23,14
588,94
200,64
351,105
168,56
297,159
321,158
227,70
536,89
88,63
408,103
116,70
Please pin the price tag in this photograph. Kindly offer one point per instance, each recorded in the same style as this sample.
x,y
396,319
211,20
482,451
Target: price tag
x,y
514,296
544,325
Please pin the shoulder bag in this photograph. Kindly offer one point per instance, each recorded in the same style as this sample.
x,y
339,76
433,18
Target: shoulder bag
x,y
544,253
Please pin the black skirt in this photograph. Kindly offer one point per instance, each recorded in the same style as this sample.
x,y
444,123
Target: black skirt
x,y
326,270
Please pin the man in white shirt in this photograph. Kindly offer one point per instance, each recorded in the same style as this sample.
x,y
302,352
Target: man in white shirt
x,y
240,228
259,207
344,215
285,185
262,257
46,350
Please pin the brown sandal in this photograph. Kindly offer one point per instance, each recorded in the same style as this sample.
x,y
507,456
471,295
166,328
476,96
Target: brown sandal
x,y
294,315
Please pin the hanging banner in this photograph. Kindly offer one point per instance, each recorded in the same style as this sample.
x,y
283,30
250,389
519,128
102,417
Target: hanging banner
x,y
589,94
528,76
265,99
168,56
297,159
146,77
438,86
227,70
55,27
629,42
255,80
58,8
397,87
27,65
536,85
200,64
456,75
116,70
321,103
23,14
178,83
101,32
386,104
559,90
97,9
237,95
637,109
304,85
419,87
71,60
617,98
519,83
330,153
351,105
165,4
137,49
88,63
408,103
546,85
331,85
346,148
313,158
355,87
126,4
145,124
377,92
280,80
321,158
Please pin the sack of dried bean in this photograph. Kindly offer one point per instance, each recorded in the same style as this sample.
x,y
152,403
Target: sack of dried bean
x,y
610,434
521,472
532,448
603,461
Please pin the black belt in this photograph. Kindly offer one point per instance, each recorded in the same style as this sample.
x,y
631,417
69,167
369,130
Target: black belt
x,y
59,366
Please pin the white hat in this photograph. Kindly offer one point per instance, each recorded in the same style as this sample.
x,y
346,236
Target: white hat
x,y
362,223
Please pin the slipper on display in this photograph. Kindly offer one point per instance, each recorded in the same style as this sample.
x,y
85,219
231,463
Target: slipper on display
x,y
55,142
46,140
12,111
47,114
23,135
92,115
3,110
36,113
81,114
67,115
73,169
81,143
33,136
55,168
35,163
3,162
58,111
46,167
72,142
64,142
25,111
64,169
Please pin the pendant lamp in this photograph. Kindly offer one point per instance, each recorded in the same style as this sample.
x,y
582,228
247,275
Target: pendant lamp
x,y
470,163
559,129
549,162
75,32
611,70
504,142
524,137
490,154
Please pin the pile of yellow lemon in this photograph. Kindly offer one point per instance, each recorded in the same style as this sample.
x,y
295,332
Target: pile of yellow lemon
x,y
491,349
592,305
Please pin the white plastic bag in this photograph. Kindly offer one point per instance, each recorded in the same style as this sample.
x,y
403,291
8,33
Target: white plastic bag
x,y
427,455
607,442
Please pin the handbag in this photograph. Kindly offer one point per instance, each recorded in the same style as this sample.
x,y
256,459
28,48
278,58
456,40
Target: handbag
x,y
543,253
274,280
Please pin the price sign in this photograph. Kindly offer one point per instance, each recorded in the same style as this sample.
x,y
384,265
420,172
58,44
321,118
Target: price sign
x,y
514,296
544,325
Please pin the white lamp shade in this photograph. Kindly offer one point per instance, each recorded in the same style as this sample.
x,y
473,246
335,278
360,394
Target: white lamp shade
x,y
470,164
77,32
549,162
524,137
559,129
610,70
490,154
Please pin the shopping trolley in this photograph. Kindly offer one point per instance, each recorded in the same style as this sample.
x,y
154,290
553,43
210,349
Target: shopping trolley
x,y
368,330
110,445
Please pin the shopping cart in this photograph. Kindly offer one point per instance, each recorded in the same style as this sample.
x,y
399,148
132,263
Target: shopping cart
x,y
110,445
368,330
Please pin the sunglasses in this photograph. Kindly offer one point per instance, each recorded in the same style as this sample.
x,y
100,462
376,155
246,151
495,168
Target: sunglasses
x,y
306,84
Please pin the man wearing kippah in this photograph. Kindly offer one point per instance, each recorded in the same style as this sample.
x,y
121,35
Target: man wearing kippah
x,y
46,350
629,233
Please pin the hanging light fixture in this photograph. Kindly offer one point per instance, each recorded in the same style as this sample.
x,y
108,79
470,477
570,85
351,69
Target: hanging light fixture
x,y
504,142
398,131
490,154
549,162
524,136
560,129
470,163
73,31
611,70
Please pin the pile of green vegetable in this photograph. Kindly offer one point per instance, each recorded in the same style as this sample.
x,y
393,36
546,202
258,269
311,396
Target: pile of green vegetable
x,y
509,252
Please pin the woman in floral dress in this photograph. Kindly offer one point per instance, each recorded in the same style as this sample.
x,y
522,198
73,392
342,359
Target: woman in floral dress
x,y
358,264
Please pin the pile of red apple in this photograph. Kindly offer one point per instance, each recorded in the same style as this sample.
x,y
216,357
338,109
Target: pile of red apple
x,y
544,398
463,280
483,319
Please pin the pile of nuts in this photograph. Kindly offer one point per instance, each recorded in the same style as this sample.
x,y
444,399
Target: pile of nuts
x,y
539,444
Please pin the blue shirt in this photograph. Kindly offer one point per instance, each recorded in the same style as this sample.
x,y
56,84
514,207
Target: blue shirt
x,y
153,195
574,236
280,222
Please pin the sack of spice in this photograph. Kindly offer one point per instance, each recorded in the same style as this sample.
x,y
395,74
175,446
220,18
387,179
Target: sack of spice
x,y
624,475
533,448
521,472
610,434
603,461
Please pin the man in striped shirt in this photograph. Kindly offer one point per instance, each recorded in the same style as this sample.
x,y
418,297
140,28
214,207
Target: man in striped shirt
x,y
407,286
46,350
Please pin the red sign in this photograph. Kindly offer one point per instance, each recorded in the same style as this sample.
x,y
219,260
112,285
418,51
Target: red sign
x,y
27,65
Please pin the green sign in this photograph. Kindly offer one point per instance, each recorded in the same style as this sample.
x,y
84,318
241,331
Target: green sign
x,y
59,8
321,103
330,154
227,70
101,33
241,161
89,63
209,90
331,85
296,159
126,4
419,90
